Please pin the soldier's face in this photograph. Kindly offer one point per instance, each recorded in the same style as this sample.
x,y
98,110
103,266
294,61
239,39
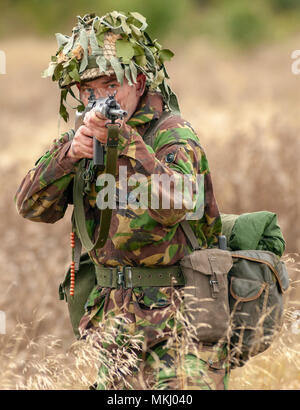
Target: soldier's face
x,y
127,96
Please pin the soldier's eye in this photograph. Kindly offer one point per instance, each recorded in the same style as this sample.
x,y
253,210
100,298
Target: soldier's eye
x,y
85,90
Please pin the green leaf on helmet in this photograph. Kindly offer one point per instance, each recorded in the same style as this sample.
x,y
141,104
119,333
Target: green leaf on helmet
x,y
100,30
100,38
141,60
97,26
138,50
75,74
128,74
102,63
59,50
66,64
124,25
157,45
133,70
63,112
67,80
50,70
124,50
135,31
61,39
83,41
158,79
141,19
96,50
110,21
150,56
63,95
80,107
118,69
84,63
69,45
62,109
165,55
57,72
166,73
116,14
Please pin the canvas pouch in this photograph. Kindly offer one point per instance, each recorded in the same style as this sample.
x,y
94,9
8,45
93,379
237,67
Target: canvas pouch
x,y
206,293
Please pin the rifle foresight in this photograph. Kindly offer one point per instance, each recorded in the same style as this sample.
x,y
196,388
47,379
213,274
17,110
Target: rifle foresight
x,y
109,108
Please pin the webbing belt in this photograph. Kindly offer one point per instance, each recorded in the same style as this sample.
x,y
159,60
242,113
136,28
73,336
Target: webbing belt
x,y
131,277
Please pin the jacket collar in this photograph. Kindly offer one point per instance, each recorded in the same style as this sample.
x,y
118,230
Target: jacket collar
x,y
149,108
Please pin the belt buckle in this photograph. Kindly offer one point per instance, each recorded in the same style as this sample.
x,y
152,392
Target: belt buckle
x,y
120,278
127,270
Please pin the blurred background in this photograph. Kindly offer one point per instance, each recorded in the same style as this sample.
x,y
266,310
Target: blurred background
x,y
232,72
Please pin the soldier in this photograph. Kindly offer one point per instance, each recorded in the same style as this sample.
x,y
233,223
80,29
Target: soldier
x,y
114,55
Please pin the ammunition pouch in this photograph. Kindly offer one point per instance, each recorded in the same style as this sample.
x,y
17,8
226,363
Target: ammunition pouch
x,y
206,293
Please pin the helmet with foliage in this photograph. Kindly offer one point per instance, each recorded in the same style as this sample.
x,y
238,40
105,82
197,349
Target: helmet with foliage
x,y
116,43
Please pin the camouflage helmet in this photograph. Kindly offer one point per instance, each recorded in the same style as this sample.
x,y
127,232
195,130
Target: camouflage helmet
x,y
116,43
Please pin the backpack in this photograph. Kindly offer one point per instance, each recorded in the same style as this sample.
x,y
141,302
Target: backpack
x,y
256,284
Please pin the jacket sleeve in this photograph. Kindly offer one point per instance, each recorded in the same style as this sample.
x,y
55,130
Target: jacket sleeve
x,y
178,157
43,193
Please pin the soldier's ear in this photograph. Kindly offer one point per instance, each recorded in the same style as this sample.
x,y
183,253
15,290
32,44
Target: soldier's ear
x,y
140,84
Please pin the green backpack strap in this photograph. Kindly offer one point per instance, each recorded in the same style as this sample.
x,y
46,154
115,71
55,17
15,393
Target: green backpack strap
x,y
78,192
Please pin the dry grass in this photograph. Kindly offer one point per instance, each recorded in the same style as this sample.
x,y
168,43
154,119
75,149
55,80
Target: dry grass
x,y
245,109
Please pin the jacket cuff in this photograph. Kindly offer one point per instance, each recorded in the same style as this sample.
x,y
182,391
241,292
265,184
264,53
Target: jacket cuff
x,y
66,163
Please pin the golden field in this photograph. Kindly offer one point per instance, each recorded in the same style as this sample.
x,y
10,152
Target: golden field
x,y
245,108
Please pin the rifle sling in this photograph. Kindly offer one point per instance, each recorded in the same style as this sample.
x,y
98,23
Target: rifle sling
x,y
78,193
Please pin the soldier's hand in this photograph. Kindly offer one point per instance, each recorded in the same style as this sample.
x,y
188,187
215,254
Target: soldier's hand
x,y
94,126
96,123
82,144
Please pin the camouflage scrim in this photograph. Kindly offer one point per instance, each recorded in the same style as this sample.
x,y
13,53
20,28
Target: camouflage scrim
x,y
116,43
